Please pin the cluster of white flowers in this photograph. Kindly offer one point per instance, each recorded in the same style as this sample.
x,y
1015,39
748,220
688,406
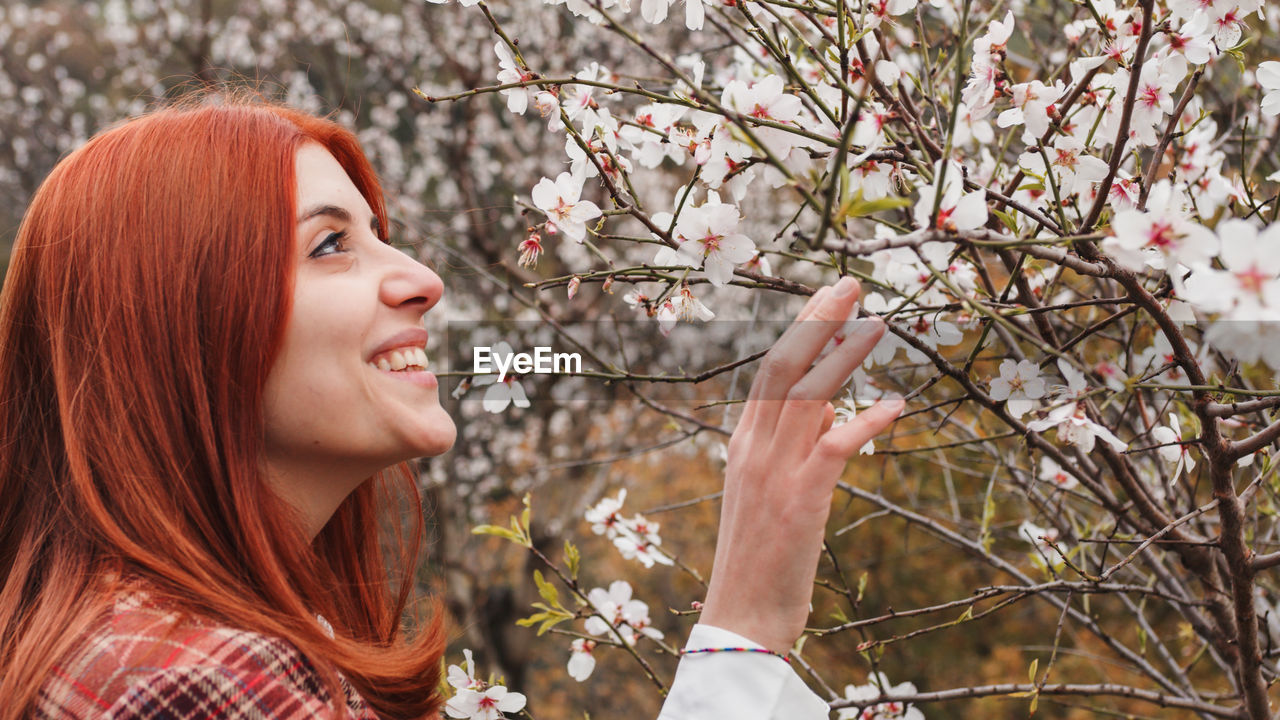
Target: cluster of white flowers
x,y
635,537
475,699
889,709
617,614
1232,275
1158,217
1067,167
708,238
1069,416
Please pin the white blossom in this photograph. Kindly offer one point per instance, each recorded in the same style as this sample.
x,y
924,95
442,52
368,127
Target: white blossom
x,y
710,239
1268,75
1052,473
877,688
474,699
617,609
1173,451
565,212
503,393
581,660
1019,385
1075,427
1162,236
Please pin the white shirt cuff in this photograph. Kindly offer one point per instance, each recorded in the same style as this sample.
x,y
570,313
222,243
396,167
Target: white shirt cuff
x,y
740,685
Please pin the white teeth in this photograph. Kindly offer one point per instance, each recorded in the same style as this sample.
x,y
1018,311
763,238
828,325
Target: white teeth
x,y
401,359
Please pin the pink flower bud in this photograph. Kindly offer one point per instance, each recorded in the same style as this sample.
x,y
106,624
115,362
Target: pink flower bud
x,y
529,251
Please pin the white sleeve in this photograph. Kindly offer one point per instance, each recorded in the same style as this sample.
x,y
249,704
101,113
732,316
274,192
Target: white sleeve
x,y
739,685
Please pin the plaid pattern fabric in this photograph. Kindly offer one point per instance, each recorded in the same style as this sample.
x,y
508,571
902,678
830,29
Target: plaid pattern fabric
x,y
143,662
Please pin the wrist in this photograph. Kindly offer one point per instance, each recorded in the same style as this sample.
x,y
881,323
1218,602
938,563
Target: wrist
x,y
764,632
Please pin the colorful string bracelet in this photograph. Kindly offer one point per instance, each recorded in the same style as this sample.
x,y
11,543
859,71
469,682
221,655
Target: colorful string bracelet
x,y
736,649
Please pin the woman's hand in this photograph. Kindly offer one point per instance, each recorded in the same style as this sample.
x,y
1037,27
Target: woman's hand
x,y
784,461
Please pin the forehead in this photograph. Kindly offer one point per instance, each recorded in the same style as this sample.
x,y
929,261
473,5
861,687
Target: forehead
x,y
322,180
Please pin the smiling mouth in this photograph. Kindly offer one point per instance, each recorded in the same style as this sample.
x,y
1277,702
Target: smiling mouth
x,y
405,359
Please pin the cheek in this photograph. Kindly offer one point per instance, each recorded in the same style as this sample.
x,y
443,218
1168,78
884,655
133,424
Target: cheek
x,y
318,367
328,326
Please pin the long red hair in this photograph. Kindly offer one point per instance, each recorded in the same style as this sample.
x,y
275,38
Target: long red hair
x,y
145,303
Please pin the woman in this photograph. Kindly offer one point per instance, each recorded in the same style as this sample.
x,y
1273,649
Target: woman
x,y
197,425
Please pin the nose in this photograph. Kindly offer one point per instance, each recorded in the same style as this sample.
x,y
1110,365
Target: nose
x,y
407,283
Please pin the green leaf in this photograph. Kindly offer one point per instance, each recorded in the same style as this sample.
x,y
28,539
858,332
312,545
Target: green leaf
x,y
549,618
1031,672
861,34
1008,220
521,534
546,589
988,512
572,558
550,623
532,619
862,586
499,531
1237,55
857,207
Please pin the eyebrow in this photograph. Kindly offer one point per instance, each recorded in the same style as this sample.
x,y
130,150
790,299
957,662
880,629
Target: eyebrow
x,y
338,213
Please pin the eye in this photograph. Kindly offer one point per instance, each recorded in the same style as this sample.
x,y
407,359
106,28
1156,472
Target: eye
x,y
334,240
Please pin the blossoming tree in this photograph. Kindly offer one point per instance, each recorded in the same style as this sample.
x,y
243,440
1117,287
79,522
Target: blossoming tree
x,y
1063,212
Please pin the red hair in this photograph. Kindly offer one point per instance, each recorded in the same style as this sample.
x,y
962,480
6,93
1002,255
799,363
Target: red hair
x,y
146,300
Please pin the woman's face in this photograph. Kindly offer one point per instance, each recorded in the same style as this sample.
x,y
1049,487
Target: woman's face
x,y
344,399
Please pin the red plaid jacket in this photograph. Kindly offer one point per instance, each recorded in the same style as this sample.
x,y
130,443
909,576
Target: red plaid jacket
x,y
141,663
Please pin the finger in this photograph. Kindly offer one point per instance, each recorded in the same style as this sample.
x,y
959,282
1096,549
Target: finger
x,y
822,382
832,452
754,394
817,297
795,351
805,313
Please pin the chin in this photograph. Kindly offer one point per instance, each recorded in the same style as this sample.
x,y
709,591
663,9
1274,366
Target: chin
x,y
437,434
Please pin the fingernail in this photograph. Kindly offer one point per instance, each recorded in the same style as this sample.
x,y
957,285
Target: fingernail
x,y
845,287
892,398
